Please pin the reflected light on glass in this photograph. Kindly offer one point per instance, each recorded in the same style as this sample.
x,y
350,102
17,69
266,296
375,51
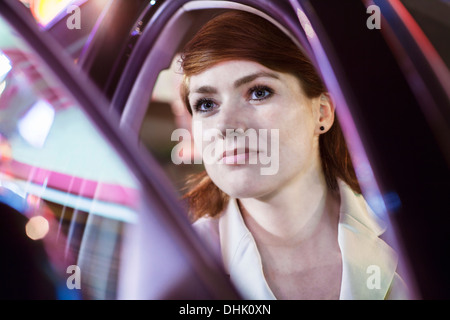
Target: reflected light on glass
x,y
5,150
304,21
392,200
2,87
5,67
45,11
35,125
37,228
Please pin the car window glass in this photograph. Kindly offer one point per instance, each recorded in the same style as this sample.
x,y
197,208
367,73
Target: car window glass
x,y
62,175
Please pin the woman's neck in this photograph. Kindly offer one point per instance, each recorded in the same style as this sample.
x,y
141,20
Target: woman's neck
x,y
296,233
305,209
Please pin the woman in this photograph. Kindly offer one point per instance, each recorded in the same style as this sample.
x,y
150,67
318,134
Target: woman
x,y
303,231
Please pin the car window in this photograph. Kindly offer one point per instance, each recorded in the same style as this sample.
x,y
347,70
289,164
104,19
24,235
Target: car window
x,y
74,189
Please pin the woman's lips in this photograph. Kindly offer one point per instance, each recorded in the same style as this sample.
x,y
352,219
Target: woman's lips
x,y
237,156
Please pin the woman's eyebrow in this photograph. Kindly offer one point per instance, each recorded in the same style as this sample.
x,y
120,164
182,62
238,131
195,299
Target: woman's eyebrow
x,y
205,89
237,83
254,76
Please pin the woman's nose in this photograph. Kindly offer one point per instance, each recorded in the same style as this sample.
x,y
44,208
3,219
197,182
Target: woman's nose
x,y
232,116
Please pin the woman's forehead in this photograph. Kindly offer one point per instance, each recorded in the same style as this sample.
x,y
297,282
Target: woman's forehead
x,y
235,73
232,71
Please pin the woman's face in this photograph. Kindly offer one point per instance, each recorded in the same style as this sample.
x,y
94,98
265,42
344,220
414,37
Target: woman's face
x,y
256,129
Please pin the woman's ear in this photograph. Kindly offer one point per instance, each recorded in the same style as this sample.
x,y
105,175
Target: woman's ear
x,y
325,114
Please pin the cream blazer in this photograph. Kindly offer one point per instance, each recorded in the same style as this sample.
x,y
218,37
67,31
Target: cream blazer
x,y
369,264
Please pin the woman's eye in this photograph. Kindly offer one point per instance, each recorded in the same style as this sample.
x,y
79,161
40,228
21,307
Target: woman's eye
x,y
260,93
204,105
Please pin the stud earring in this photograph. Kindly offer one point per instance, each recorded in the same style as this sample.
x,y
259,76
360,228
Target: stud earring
x,y
322,128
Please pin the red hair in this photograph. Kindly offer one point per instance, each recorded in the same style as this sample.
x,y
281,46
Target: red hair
x,y
245,36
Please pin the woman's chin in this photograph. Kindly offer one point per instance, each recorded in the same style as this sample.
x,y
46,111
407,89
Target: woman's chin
x,y
241,190
242,181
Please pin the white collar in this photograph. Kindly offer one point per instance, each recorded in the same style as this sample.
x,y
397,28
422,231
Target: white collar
x,y
361,249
